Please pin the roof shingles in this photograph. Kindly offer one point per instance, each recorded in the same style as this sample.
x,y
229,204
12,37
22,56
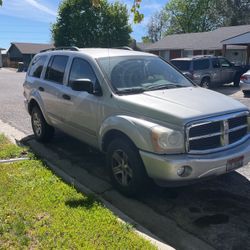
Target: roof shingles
x,y
31,48
199,41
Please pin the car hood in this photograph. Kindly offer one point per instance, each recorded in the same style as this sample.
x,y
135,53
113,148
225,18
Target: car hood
x,y
179,106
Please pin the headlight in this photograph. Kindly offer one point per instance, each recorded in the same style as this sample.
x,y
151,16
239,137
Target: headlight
x,y
167,140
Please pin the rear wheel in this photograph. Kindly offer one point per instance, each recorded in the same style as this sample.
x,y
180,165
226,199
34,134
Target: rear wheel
x,y
125,167
42,130
206,83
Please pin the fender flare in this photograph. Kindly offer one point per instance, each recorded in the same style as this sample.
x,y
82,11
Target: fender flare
x,y
137,130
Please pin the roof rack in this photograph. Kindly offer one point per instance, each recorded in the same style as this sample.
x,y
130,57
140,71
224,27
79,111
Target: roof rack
x,y
123,47
72,48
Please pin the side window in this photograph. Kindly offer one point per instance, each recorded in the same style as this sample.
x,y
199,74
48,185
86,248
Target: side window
x,y
224,63
56,68
37,66
215,63
81,69
201,64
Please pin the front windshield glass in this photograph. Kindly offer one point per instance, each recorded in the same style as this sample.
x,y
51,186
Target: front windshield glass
x,y
134,74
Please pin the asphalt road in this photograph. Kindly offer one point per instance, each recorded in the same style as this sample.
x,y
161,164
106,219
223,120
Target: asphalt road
x,y
12,109
216,211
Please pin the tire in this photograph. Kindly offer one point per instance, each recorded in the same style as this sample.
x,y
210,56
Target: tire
x,y
237,80
206,83
125,167
246,93
42,130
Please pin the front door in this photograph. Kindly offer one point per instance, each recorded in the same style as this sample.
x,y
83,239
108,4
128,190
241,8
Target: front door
x,y
83,109
227,70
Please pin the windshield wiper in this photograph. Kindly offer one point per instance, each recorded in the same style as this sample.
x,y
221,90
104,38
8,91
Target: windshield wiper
x,y
163,86
131,91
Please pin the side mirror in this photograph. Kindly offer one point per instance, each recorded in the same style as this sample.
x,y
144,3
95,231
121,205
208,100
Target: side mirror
x,y
85,85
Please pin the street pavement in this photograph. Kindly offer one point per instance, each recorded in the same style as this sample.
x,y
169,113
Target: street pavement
x,y
215,211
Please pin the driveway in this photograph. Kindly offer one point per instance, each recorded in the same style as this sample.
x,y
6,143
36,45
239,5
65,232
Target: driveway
x,y
216,212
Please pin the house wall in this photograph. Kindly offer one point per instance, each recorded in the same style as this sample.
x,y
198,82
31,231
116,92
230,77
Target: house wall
x,y
14,54
26,60
238,57
165,54
1,60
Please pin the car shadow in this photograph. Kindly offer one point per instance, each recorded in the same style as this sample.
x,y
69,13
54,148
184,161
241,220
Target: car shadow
x,y
217,211
228,89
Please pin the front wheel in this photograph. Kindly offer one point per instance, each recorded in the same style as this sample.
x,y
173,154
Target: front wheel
x,y
205,83
125,167
42,130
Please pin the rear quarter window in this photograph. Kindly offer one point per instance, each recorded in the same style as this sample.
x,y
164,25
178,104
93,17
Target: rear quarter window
x,y
182,65
37,65
201,64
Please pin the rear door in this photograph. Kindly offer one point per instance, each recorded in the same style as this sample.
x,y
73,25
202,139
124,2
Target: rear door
x,y
51,88
201,69
216,71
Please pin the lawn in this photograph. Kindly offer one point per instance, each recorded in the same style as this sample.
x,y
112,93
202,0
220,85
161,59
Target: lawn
x,y
40,211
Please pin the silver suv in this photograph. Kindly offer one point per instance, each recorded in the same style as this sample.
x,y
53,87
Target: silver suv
x,y
149,119
209,71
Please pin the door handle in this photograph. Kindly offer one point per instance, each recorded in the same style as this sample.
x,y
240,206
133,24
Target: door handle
x,y
66,97
41,88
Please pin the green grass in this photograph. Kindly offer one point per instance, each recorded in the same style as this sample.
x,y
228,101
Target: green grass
x,y
9,150
39,211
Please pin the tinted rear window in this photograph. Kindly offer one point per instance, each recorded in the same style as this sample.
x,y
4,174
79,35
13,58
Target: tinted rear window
x,y
182,65
56,68
201,64
37,66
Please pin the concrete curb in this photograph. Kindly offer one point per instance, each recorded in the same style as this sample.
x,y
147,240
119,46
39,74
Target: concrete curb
x,y
113,200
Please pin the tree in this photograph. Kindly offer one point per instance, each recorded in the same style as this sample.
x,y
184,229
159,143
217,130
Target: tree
x,y
1,2
157,26
138,16
82,24
185,16
146,39
234,12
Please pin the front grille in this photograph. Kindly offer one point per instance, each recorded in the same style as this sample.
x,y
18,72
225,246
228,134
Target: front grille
x,y
216,133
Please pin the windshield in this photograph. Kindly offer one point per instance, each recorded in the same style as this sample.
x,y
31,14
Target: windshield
x,y
135,74
181,64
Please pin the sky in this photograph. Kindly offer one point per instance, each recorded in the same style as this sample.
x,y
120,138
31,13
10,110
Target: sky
x,y
30,20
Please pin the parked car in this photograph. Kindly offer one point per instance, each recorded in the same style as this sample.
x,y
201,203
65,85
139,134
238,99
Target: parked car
x,y
245,83
209,71
147,117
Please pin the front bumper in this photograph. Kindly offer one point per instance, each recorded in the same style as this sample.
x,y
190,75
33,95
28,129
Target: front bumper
x,y
163,168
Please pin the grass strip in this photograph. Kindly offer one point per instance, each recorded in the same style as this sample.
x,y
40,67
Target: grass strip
x,y
39,211
9,150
